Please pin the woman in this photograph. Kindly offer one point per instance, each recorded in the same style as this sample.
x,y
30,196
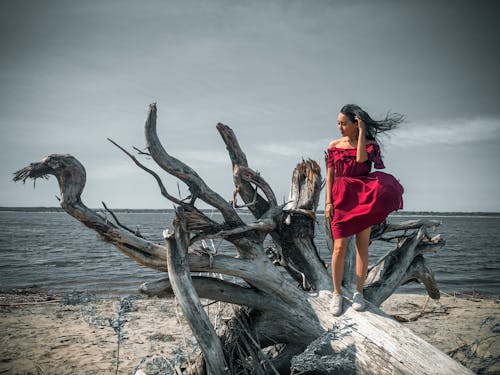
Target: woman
x,y
355,198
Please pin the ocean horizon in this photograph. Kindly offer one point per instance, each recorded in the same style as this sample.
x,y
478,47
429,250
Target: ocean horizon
x,y
159,210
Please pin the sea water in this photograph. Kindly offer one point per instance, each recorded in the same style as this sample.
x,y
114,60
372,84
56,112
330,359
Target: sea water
x,y
52,250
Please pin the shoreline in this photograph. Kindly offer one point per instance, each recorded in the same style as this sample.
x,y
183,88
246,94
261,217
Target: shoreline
x,y
78,333
46,209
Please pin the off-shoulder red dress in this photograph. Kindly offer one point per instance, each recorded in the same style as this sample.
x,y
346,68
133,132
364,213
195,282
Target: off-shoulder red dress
x,y
361,199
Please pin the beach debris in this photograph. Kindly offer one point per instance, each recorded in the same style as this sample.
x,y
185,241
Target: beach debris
x,y
410,312
77,297
480,354
26,296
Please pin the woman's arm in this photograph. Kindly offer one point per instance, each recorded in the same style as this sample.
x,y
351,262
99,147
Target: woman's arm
x,y
328,201
361,155
330,177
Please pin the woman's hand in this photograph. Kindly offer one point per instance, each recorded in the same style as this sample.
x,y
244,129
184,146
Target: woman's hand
x,y
361,124
329,211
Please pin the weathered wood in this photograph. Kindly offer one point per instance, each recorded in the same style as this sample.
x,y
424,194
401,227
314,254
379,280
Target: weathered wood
x,y
214,289
177,168
296,232
254,201
70,175
371,342
287,307
420,271
189,301
392,269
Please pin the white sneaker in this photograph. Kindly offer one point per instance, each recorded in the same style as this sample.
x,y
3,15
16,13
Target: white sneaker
x,y
358,302
336,305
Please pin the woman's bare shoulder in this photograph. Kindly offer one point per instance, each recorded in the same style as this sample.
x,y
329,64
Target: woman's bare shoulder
x,y
335,143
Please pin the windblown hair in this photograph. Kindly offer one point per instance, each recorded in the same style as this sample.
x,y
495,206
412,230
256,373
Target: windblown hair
x,y
373,127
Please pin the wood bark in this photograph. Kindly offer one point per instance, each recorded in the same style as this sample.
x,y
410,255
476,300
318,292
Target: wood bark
x,y
284,291
182,284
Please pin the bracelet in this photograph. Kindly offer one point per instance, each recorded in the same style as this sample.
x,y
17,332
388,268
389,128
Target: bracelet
x,y
327,203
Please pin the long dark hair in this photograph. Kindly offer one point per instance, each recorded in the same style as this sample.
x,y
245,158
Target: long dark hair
x,y
373,127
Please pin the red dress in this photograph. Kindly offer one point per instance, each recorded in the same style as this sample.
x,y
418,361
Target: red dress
x,y
360,198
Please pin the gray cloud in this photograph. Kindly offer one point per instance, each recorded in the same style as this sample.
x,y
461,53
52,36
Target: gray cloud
x,y
74,73
453,131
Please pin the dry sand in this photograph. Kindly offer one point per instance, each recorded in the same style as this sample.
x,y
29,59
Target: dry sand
x,y
78,334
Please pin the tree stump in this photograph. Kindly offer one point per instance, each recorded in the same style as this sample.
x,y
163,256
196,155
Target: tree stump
x,y
283,324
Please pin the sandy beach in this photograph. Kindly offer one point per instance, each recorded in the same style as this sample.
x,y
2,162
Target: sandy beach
x,y
79,334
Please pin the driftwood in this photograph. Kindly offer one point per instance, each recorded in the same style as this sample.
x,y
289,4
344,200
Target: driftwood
x,y
283,324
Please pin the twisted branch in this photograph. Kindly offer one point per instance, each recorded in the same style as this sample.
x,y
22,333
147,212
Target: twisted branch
x,y
183,172
243,187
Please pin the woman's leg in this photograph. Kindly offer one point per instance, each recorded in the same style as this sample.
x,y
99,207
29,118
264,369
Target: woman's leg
x,y
338,256
362,242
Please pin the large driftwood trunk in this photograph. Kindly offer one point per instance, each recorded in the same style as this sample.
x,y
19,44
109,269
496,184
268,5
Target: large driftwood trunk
x,y
283,324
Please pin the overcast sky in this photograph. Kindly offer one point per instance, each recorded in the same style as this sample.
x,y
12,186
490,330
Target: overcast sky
x,y
277,72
